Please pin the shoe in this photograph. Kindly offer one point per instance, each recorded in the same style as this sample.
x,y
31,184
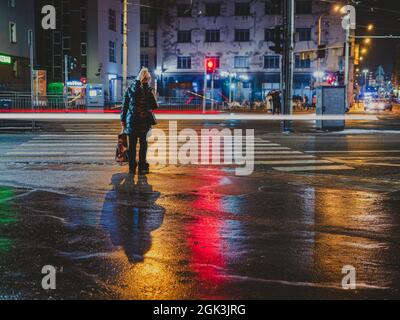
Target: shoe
x,y
144,168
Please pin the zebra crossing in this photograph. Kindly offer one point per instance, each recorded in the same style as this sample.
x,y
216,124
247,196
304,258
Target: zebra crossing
x,y
83,143
99,148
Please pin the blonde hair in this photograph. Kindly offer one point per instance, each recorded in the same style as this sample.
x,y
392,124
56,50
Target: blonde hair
x,y
144,74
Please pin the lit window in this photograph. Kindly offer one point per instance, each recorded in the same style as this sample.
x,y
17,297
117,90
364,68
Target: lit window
x,y
13,32
241,62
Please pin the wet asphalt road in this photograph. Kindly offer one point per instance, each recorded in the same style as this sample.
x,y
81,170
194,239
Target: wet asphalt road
x,y
200,232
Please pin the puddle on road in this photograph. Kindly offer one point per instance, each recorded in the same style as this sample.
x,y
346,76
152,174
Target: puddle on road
x,y
275,239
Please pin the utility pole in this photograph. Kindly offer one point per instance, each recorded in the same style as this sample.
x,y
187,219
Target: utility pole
x,y
230,87
125,49
66,69
205,88
212,92
347,62
31,51
288,61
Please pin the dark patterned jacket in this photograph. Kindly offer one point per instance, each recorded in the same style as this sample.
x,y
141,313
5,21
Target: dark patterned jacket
x,y
129,106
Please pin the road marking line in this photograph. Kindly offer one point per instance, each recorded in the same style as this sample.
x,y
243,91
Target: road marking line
x,y
312,168
355,162
282,162
354,151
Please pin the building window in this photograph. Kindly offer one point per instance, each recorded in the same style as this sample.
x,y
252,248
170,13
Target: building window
x,y
302,63
241,62
112,20
304,34
271,62
184,10
144,39
242,9
145,15
242,35
11,3
213,9
13,32
269,34
213,36
66,43
184,63
303,7
144,60
83,49
111,51
273,7
184,36
83,13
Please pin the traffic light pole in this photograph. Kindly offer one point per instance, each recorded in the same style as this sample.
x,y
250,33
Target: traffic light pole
x,y
31,62
66,67
212,92
125,49
288,62
205,89
347,65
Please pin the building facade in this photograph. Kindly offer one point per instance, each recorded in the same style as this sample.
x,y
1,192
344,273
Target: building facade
x,y
90,32
16,19
239,34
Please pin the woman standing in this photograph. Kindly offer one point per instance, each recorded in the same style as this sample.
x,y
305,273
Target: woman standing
x,y
137,119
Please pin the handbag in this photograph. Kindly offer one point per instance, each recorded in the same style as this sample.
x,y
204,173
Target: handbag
x,y
121,153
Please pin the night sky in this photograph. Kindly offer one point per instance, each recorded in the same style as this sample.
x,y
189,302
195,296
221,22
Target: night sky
x,y
385,15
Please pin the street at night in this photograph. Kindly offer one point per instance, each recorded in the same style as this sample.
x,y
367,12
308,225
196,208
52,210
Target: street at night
x,y
315,203
195,159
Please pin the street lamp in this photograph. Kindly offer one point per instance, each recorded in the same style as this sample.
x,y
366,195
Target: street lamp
x,y
370,27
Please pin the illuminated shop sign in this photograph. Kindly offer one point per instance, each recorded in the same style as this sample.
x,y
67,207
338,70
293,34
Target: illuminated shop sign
x,y
74,84
5,59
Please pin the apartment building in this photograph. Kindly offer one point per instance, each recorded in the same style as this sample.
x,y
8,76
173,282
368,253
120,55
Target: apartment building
x,y
16,19
239,34
90,32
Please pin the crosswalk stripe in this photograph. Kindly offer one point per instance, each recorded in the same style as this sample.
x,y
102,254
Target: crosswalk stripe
x,y
284,162
353,151
313,168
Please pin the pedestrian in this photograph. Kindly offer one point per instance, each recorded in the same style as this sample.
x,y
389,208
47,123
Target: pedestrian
x,y
269,101
137,119
276,101
305,102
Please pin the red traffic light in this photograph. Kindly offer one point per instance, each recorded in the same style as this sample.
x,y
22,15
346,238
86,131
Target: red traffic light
x,y
211,65
84,80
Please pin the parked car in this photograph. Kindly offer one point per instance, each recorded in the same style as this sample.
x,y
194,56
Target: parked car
x,y
377,105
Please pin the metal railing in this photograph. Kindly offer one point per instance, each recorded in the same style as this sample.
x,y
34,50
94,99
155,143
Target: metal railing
x,y
13,101
22,102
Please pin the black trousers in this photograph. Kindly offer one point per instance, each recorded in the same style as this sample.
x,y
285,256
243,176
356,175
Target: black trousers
x,y
133,140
